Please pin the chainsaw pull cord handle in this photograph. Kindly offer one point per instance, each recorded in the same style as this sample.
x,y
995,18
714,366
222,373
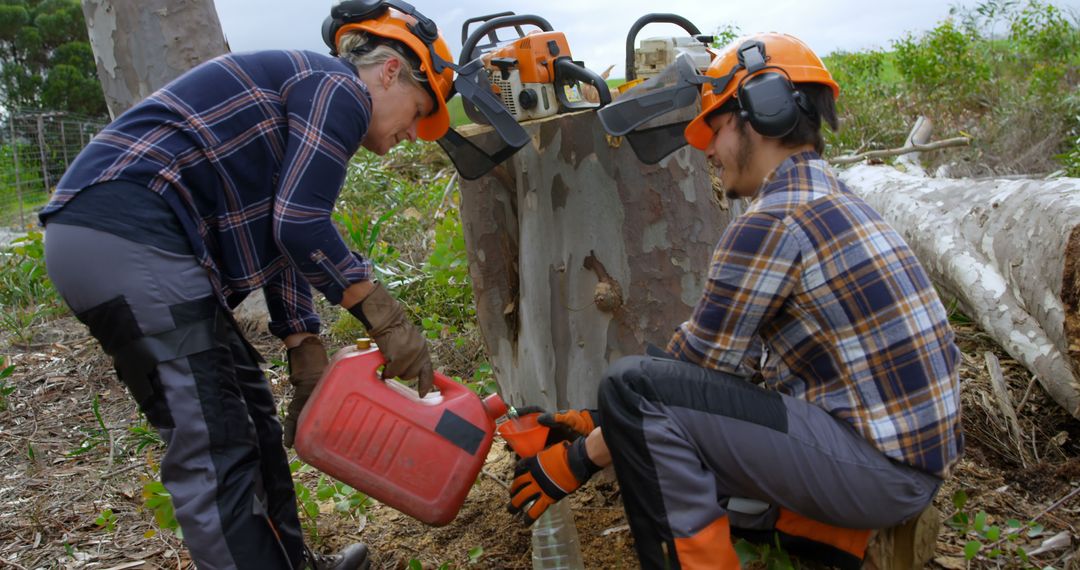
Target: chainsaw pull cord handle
x,y
567,72
645,20
515,20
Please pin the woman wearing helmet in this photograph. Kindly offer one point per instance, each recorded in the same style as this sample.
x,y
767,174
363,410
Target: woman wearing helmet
x,y
219,184
813,394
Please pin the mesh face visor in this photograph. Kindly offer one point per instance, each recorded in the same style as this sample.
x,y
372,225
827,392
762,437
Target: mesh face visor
x,y
652,116
674,88
473,160
653,144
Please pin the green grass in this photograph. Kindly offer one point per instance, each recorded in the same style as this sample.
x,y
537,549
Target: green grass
x,y
457,113
9,211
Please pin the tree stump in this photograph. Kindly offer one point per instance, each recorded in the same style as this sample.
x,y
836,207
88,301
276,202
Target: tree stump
x,y
580,254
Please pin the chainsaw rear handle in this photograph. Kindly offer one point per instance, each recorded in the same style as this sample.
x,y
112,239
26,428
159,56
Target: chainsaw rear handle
x,y
645,20
514,20
567,72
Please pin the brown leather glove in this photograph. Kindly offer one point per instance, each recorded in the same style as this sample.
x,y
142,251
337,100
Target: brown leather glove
x,y
307,362
400,342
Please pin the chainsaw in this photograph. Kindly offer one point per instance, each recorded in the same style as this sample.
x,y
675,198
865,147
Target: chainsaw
x,y
656,53
662,92
534,74
505,82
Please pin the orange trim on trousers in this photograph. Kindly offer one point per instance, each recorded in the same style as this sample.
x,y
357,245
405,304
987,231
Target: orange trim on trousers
x,y
710,548
851,541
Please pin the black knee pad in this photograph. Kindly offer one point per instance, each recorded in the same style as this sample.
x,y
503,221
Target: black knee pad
x,y
113,324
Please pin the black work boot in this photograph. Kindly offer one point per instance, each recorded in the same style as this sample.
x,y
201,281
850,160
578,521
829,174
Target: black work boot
x,y
352,557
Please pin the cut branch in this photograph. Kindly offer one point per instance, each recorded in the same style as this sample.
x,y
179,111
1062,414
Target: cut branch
x,y
947,143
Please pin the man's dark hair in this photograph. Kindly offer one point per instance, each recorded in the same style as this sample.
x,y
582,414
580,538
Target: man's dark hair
x,y
808,129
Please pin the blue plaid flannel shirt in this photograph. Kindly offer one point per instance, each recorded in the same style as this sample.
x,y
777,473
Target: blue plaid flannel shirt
x,y
845,315
250,151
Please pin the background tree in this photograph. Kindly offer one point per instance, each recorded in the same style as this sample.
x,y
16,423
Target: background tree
x,y
46,57
140,45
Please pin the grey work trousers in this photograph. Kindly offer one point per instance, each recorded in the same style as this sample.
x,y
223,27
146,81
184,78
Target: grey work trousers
x,y
198,382
686,439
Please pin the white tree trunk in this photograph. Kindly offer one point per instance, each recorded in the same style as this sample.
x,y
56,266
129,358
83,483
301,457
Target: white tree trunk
x,y
140,45
1007,250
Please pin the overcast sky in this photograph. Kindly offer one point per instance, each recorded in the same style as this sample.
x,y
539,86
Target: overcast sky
x,y
596,29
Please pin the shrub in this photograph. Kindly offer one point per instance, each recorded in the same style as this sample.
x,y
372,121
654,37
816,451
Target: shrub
x,y
996,72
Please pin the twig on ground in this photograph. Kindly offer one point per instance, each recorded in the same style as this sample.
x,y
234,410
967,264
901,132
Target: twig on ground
x,y
124,469
997,382
1056,504
495,478
1027,393
450,185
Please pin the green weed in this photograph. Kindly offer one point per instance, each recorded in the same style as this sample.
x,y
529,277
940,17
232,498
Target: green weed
x,y
483,380
27,297
993,542
93,436
144,435
771,557
106,520
6,389
157,500
339,497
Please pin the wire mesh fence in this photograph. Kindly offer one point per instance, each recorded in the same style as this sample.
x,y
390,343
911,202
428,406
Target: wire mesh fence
x,y
36,148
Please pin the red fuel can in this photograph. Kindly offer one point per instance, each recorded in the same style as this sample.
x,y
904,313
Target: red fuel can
x,y
418,455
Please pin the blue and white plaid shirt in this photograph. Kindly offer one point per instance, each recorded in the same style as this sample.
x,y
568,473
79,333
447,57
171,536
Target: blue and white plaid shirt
x,y
846,315
250,151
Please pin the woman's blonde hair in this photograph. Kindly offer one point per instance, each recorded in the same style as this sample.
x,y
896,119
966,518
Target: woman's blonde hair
x,y
364,50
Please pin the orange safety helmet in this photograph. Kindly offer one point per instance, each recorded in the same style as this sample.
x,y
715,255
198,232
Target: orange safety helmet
x,y
394,24
782,51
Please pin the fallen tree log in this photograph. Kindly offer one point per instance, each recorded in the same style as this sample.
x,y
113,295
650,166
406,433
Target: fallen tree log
x,y
1008,251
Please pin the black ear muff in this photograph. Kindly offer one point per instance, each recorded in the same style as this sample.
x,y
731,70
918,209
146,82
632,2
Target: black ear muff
x,y
330,27
768,99
355,10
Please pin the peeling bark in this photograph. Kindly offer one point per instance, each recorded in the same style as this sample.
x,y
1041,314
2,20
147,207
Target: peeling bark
x,y
1006,250
141,46
579,254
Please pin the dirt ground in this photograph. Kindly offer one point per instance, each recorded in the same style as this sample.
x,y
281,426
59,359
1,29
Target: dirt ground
x,y
51,494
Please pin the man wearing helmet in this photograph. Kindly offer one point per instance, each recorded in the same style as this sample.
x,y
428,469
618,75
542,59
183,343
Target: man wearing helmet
x,y
219,184
850,418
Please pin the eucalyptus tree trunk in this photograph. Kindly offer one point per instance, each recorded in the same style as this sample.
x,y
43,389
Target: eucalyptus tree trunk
x,y
139,46
1008,251
580,254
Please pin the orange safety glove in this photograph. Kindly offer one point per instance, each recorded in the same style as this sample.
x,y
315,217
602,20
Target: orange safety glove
x,y
547,477
566,425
